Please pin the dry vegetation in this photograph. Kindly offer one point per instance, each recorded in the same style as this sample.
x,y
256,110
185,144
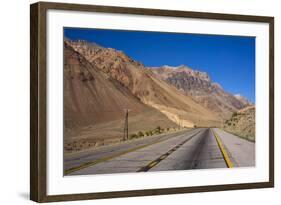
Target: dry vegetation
x,y
242,123
90,137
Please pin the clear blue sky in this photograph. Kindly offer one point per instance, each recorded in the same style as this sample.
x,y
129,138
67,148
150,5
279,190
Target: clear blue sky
x,y
229,60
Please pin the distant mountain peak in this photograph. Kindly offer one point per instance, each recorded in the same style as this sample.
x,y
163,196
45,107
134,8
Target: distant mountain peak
x,y
170,71
238,95
217,86
173,67
244,100
199,86
83,44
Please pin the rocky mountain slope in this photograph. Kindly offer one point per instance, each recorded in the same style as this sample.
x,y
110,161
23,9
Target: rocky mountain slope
x,y
245,102
143,84
94,104
199,85
242,123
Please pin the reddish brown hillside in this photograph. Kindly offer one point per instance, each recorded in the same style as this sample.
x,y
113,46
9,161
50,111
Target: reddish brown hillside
x,y
144,85
92,98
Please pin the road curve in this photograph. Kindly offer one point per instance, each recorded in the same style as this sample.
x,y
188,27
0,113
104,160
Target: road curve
x,y
188,149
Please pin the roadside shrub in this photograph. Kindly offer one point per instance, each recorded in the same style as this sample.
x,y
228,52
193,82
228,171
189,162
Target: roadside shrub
x,y
158,130
140,134
149,133
132,136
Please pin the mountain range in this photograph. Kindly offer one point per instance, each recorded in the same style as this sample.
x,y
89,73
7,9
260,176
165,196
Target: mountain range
x,y
199,86
100,83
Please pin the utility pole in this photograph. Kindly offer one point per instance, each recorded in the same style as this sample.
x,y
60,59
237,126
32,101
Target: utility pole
x,y
126,125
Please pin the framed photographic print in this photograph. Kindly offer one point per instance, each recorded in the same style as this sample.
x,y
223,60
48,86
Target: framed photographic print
x,y
134,102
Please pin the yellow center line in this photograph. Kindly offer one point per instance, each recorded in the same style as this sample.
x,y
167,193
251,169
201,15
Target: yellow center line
x,y
152,164
226,157
91,163
163,157
158,160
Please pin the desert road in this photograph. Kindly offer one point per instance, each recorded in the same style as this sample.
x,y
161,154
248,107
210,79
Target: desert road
x,y
199,148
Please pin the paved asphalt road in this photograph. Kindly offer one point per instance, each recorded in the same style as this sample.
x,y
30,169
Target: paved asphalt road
x,y
200,148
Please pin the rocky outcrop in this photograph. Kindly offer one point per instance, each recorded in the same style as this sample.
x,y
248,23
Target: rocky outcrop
x,y
199,85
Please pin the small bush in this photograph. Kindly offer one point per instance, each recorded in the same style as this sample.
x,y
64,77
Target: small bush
x,y
158,130
234,114
149,133
132,136
140,134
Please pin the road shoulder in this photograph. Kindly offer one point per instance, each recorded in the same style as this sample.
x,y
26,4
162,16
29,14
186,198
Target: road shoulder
x,y
241,151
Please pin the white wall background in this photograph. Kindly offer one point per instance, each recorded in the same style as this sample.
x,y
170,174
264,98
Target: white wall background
x,y
14,101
